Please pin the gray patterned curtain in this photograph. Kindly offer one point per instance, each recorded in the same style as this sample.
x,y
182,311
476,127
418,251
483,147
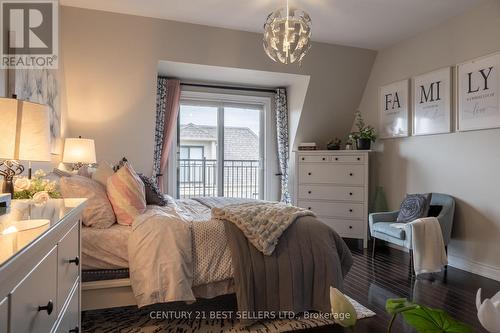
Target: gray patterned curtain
x,y
282,136
168,94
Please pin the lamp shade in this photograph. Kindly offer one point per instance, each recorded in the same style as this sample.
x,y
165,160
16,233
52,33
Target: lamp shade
x,y
78,150
25,130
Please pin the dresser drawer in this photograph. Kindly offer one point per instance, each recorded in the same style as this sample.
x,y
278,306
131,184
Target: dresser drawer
x,y
348,158
68,262
314,158
329,192
334,209
4,315
36,290
70,318
330,173
346,228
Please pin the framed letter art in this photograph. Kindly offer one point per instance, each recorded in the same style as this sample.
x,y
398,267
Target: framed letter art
x,y
478,91
432,102
393,110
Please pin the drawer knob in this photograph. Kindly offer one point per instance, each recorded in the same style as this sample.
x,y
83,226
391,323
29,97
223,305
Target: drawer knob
x,y
350,193
49,307
350,174
309,192
359,158
309,173
74,330
350,210
75,261
336,158
350,227
303,158
324,158
309,208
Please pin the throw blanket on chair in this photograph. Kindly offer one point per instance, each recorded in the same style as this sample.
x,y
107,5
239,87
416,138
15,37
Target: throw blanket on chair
x,y
429,254
261,222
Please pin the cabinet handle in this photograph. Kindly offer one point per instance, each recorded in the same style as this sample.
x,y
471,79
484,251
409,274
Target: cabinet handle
x,y
350,210
75,261
309,192
309,173
74,330
49,307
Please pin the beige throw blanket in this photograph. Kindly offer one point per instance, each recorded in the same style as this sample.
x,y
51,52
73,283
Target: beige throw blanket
x,y
429,255
261,222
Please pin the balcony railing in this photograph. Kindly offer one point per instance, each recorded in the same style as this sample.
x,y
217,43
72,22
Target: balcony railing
x,y
199,177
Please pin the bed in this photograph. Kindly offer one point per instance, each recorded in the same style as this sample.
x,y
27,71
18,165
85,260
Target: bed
x,y
105,260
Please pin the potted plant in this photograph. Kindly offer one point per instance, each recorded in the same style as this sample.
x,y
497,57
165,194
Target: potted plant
x,y
365,134
334,144
350,143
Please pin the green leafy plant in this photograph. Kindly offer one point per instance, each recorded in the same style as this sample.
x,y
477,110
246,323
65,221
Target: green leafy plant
x,y
25,188
364,131
334,142
424,319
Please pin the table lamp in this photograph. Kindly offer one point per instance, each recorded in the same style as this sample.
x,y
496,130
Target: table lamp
x,y
25,136
79,152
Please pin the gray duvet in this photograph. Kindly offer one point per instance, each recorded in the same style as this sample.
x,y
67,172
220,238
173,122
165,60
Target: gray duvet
x,y
309,258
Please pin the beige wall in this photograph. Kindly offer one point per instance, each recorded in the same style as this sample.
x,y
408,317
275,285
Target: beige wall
x,y
110,65
465,165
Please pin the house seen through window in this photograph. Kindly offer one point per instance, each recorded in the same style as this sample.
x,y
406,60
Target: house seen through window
x,y
220,149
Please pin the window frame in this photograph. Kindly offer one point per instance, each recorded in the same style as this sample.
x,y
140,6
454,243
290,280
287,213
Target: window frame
x,y
239,99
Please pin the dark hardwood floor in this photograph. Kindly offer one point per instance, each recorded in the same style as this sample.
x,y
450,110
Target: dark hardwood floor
x,y
372,282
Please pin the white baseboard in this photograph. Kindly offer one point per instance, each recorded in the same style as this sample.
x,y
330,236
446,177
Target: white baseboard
x,y
474,267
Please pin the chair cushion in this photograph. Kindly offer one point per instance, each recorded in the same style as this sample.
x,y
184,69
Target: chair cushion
x,y
385,228
414,206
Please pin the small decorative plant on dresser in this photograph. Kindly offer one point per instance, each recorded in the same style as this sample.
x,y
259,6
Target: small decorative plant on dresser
x,y
365,134
334,185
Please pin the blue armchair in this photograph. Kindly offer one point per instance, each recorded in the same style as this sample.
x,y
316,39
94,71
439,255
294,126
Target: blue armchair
x,y
442,207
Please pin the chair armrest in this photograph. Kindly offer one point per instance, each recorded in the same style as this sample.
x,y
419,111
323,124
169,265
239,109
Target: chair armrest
x,y
382,217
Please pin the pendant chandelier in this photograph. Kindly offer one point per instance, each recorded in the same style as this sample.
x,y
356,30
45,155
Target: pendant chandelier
x,y
287,35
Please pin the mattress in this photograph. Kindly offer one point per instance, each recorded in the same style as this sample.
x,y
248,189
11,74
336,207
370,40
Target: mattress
x,y
107,249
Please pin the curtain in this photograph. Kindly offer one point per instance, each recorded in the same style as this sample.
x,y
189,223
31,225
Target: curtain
x,y
168,94
282,136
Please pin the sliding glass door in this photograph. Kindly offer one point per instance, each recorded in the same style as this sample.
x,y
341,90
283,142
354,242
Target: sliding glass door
x,y
220,149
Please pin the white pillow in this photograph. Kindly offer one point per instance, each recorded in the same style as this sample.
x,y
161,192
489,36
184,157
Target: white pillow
x,y
103,172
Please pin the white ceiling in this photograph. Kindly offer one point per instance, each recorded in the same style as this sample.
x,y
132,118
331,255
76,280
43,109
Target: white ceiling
x,y
372,24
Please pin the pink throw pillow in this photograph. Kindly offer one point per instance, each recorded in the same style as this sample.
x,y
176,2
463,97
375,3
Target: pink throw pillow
x,y
127,195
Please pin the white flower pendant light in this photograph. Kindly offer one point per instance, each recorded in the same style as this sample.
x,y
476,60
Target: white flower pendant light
x,y
287,35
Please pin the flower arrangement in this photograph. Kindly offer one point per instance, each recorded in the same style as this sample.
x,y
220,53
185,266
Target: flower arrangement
x,y
334,144
37,188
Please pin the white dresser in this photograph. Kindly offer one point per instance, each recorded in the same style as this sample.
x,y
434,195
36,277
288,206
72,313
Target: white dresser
x,y
334,185
40,267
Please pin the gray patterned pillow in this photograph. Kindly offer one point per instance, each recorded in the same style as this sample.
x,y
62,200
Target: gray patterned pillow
x,y
414,206
153,193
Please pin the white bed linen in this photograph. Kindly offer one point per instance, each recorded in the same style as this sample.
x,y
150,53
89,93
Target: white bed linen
x,y
108,248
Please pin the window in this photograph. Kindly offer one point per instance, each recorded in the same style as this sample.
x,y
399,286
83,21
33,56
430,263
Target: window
x,y
221,146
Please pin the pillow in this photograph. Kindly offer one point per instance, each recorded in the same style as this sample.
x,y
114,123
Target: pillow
x,y
153,193
98,213
84,171
414,206
103,172
126,194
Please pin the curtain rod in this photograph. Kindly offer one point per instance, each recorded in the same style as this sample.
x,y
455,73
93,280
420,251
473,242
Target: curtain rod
x,y
228,87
